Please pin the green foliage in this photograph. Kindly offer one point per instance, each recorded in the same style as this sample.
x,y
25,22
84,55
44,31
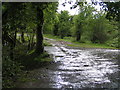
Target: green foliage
x,y
50,18
30,52
82,22
11,71
113,34
114,42
89,26
64,24
21,20
113,10
99,29
57,24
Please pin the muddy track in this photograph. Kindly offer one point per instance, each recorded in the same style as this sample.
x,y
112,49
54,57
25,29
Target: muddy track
x,y
77,68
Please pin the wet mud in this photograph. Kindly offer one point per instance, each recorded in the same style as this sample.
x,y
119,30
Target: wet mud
x,y
77,68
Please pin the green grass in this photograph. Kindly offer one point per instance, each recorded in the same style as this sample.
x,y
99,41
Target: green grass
x,y
90,45
78,44
45,43
51,36
24,79
43,58
68,39
33,59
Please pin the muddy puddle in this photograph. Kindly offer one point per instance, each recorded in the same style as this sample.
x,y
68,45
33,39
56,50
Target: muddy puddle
x,y
78,68
88,68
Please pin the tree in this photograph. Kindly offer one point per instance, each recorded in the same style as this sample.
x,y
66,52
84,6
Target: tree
x,y
40,7
56,25
39,34
102,28
113,10
81,20
113,13
64,24
10,23
50,18
21,19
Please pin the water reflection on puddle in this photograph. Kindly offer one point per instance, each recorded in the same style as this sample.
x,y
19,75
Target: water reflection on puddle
x,y
84,68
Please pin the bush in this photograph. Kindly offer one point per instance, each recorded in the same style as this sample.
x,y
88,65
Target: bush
x,y
114,43
11,71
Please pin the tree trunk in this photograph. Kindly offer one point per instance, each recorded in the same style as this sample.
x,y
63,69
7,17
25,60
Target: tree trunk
x,y
79,31
32,40
62,36
15,35
39,33
28,37
78,36
22,37
55,31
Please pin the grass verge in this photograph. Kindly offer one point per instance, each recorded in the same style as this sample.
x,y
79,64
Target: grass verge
x,y
90,45
78,44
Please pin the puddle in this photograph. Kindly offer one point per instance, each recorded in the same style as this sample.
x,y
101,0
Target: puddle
x,y
91,68
78,68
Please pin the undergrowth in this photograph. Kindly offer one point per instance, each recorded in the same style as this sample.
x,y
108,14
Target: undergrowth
x,y
23,61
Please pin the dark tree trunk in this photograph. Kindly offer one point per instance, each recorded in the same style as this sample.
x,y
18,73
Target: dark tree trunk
x,y
22,37
62,34
39,33
78,36
32,40
55,31
8,40
79,32
15,35
28,41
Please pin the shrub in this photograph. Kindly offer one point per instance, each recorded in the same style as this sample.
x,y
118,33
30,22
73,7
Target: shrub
x,y
11,71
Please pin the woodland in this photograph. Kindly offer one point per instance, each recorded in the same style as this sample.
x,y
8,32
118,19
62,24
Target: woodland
x,y
26,24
